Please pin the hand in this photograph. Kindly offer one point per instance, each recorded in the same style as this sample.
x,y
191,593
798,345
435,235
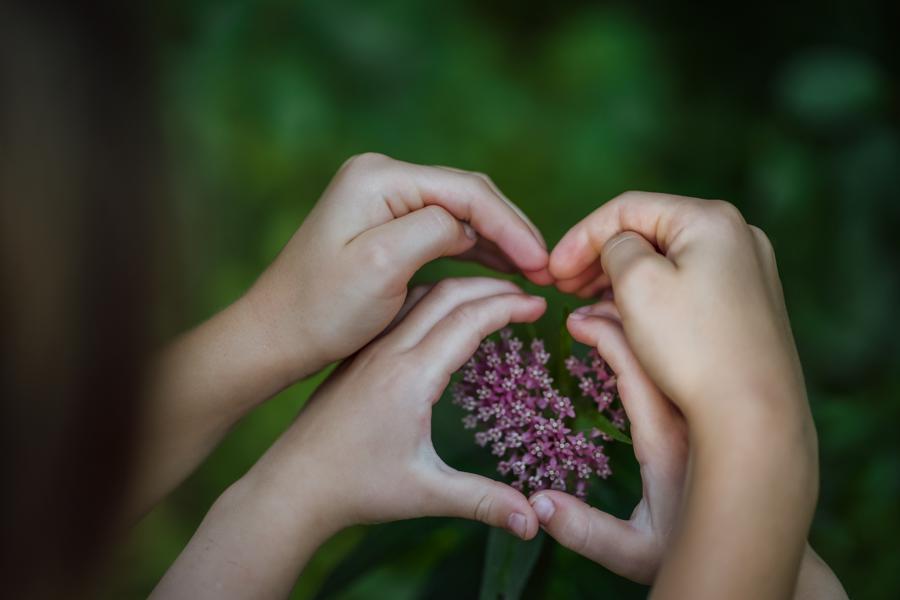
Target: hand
x,y
635,548
371,421
333,288
632,548
344,274
701,306
360,452
691,279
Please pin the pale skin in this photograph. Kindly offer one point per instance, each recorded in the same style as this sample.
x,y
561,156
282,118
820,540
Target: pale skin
x,y
337,284
721,430
360,452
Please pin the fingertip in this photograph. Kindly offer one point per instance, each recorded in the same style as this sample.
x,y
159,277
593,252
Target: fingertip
x,y
543,507
538,308
537,259
586,323
539,277
567,286
563,263
523,523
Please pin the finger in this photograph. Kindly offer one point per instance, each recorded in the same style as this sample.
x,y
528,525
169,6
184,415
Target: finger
x,y
657,428
413,297
445,296
537,232
456,337
398,248
399,188
657,217
468,496
489,254
569,286
540,277
594,534
604,308
593,288
470,198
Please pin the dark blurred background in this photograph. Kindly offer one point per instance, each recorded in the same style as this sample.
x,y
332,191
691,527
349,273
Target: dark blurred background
x,y
788,110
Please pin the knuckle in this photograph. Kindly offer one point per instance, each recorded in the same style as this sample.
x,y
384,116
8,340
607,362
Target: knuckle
x,y
448,287
761,238
483,181
766,249
576,533
726,211
443,223
484,177
366,161
627,196
483,508
463,315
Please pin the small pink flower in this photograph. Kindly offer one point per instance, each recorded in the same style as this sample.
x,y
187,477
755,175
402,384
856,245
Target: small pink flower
x,y
509,393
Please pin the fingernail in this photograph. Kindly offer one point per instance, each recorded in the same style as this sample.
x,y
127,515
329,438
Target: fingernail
x,y
575,316
543,508
470,233
517,523
584,310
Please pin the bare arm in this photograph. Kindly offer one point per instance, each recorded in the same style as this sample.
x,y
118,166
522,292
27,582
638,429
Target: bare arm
x,y
336,285
701,306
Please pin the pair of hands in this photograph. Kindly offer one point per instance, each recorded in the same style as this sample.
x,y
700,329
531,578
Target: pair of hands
x,y
692,281
708,366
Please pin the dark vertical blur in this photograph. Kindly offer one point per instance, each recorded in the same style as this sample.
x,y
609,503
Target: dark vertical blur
x,y
77,147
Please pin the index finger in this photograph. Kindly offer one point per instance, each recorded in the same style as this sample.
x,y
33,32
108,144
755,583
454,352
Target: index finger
x,y
472,199
406,187
657,217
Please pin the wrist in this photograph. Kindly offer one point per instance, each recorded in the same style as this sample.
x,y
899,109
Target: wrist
x,y
290,524
765,442
293,488
289,348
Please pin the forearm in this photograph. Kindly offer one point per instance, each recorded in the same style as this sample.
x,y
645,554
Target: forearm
x,y
751,493
253,543
202,384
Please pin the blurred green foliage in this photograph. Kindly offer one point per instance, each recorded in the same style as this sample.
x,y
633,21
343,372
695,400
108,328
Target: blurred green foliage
x,y
789,111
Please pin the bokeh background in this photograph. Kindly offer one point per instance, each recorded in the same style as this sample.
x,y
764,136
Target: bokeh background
x,y
789,110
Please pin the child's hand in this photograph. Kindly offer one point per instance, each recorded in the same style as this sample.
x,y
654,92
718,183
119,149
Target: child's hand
x,y
360,452
702,308
700,299
364,439
635,548
344,274
632,548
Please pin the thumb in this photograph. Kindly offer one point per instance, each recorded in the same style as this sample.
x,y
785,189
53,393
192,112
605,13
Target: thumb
x,y
470,496
596,535
401,246
628,258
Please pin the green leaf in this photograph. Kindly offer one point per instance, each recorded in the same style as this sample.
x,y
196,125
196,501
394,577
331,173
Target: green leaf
x,y
508,563
597,419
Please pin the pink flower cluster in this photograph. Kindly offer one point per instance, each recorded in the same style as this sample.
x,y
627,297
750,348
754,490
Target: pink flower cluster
x,y
510,397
